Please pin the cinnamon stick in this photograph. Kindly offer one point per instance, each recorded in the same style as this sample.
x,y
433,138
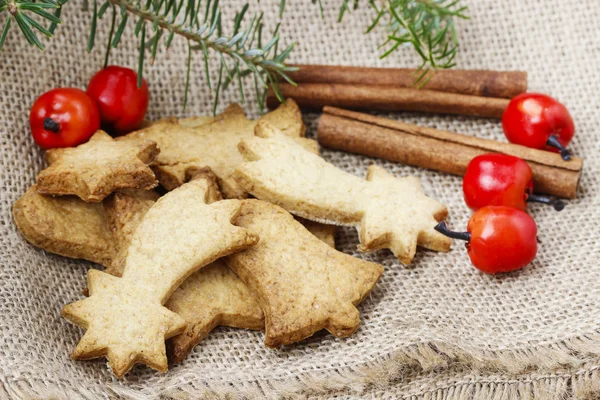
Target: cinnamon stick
x,y
505,84
439,150
355,96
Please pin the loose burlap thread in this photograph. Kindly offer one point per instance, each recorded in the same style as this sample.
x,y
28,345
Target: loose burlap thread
x,y
438,330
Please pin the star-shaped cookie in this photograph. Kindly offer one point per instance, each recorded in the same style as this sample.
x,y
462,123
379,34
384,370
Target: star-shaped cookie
x,y
399,216
389,212
95,169
125,317
210,297
212,142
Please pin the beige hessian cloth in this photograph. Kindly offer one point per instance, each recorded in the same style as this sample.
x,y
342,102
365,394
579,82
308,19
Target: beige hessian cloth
x,y
440,330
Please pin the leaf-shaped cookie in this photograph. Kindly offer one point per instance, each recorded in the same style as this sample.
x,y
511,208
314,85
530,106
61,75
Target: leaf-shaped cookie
x,y
125,317
390,212
95,169
303,285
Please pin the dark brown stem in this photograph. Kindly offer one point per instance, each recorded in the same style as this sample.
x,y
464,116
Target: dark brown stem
x,y
564,153
443,229
558,204
51,125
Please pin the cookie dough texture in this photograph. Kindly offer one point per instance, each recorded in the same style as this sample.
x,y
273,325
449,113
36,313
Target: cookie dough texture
x,y
210,297
124,210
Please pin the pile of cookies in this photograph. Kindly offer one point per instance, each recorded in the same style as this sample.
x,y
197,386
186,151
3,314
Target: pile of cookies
x,y
206,254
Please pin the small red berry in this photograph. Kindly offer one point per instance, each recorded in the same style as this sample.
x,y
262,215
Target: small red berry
x,y
501,180
499,239
540,122
121,102
63,117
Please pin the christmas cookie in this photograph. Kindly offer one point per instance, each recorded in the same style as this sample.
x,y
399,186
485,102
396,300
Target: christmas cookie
x,y
389,212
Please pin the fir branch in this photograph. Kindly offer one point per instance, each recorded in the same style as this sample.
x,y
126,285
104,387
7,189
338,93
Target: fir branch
x,y
237,55
27,15
426,25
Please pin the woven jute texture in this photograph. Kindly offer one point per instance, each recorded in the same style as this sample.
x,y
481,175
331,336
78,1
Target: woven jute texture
x,y
439,330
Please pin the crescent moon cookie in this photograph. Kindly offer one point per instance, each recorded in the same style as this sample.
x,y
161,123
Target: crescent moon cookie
x,y
389,212
212,142
303,285
95,169
124,317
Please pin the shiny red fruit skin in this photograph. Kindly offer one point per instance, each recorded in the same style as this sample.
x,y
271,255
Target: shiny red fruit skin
x,y
121,103
531,118
75,112
503,239
497,180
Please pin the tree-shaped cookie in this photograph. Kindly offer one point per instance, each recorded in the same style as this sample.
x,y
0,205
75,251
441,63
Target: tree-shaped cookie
x,y
303,285
390,212
213,143
125,317
95,169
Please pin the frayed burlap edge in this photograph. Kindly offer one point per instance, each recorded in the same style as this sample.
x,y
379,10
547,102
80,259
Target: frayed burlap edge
x,y
385,373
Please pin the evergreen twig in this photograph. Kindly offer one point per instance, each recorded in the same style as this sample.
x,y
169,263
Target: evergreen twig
x,y
202,27
426,25
27,14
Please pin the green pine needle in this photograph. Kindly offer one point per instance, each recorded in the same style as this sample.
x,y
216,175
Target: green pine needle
x,y
142,48
426,25
110,35
25,27
201,25
4,33
93,26
187,76
120,29
31,16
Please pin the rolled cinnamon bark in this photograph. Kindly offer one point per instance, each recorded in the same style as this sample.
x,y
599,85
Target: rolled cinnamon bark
x,y
439,150
505,84
360,97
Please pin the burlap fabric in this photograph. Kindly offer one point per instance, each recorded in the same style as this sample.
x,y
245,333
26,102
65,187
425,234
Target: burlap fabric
x,y
440,330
